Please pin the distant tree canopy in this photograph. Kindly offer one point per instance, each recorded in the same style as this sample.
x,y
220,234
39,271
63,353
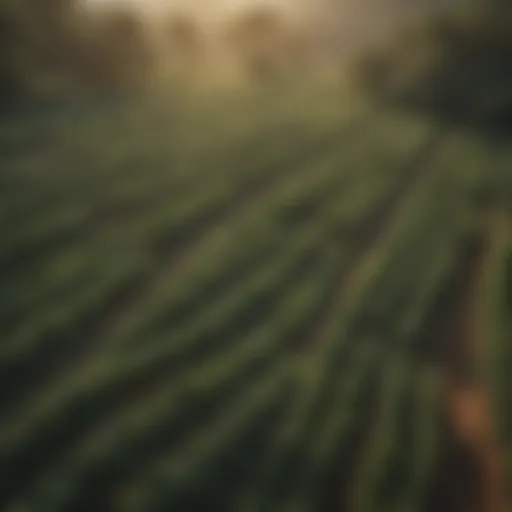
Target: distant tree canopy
x,y
268,46
255,36
456,66
53,47
183,34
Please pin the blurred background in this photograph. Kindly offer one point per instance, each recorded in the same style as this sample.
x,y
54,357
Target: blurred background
x,y
63,47
255,255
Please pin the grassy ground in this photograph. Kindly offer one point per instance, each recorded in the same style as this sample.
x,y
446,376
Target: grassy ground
x,y
277,301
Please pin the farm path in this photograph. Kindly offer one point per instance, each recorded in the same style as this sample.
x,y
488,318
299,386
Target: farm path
x,y
474,478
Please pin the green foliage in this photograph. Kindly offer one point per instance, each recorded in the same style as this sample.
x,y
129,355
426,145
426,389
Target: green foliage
x,y
232,305
453,66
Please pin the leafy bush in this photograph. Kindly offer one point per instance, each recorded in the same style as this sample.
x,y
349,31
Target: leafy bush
x,y
454,66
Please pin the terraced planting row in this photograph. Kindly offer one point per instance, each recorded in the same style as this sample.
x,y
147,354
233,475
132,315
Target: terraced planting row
x,y
237,319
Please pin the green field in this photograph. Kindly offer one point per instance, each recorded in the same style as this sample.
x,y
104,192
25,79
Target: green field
x,y
264,302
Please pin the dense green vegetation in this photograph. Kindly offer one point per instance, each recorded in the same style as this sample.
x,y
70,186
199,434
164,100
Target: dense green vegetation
x,y
233,304
455,66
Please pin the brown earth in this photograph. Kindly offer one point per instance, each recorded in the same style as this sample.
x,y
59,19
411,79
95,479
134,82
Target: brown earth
x,y
472,424
477,474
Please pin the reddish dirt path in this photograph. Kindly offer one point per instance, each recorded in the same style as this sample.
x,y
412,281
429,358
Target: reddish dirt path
x,y
472,425
467,400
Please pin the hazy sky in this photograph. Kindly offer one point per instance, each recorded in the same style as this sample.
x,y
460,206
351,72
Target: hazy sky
x,y
206,4
212,10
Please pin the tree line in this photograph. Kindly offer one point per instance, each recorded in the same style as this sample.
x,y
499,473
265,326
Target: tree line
x,y
54,47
